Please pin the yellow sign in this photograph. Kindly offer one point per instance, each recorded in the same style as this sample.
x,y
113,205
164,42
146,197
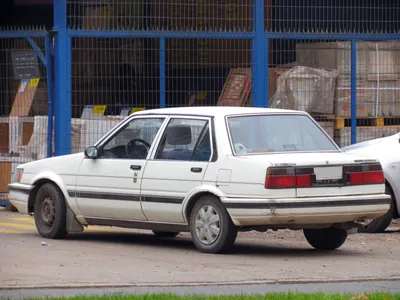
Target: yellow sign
x,y
106,11
34,82
201,96
99,109
135,109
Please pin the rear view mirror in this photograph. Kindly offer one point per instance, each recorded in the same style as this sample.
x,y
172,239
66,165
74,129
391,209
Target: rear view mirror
x,y
91,152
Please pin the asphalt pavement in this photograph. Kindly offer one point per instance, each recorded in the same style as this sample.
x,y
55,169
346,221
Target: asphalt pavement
x,y
110,260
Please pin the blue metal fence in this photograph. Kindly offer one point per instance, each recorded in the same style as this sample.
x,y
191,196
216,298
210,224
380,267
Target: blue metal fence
x,y
179,46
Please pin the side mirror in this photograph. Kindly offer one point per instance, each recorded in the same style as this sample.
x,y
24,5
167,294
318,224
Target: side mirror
x,y
91,152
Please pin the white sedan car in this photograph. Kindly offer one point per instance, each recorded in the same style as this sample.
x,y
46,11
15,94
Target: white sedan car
x,y
387,151
212,171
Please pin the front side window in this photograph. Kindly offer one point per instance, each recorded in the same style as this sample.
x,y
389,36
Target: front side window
x,y
134,140
185,139
277,133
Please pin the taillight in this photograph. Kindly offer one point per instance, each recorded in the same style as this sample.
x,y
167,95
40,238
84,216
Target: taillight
x,y
365,174
303,180
286,178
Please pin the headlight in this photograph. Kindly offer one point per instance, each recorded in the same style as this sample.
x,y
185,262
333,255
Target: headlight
x,y
18,175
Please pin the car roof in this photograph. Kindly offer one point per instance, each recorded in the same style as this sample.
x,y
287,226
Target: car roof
x,y
216,111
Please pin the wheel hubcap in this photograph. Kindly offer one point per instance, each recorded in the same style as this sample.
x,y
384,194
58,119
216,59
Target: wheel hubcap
x,y
207,224
48,211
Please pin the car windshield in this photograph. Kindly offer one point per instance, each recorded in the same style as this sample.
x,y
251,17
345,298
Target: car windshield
x,y
277,133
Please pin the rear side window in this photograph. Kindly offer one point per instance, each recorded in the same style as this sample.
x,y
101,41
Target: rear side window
x,y
277,133
185,139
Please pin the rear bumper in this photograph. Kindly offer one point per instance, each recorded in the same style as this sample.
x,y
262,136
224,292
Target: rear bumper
x,y
306,211
18,194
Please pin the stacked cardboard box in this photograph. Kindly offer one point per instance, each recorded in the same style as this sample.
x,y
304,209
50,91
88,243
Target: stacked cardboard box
x,y
378,69
192,15
93,130
331,56
329,128
207,15
204,14
20,132
118,14
374,98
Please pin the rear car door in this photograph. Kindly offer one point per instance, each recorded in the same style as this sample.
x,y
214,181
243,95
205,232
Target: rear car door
x,y
177,168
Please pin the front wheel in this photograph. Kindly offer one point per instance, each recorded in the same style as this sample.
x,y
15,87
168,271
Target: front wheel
x,y
211,227
50,212
326,238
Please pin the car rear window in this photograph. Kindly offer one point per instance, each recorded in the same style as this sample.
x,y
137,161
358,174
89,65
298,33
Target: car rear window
x,y
277,133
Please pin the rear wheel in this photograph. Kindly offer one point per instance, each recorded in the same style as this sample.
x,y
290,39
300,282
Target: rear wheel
x,y
165,234
326,238
380,224
211,227
50,212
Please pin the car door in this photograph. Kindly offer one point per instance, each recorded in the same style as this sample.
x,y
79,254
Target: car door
x,y
109,185
177,167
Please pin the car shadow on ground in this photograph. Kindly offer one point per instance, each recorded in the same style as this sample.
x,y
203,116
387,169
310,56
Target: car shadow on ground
x,y
256,247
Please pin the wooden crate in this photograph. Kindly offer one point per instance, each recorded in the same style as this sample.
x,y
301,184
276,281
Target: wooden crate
x,y
5,176
237,88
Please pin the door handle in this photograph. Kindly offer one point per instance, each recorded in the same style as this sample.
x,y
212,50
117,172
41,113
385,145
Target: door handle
x,y
196,170
136,167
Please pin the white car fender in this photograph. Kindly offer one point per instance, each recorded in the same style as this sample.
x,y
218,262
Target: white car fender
x,y
390,176
49,175
199,190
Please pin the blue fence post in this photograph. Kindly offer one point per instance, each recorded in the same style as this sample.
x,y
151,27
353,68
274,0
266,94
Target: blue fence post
x,y
162,72
50,94
62,107
258,44
353,91
266,72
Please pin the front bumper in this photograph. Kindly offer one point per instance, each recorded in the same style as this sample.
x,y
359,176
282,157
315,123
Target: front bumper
x,y
18,194
306,211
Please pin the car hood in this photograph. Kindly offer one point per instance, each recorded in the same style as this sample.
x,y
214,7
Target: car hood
x,y
65,164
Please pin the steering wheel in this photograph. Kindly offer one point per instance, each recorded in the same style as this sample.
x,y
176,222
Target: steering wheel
x,y
132,145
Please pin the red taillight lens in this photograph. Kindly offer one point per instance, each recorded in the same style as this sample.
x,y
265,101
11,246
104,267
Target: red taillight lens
x,y
374,177
371,173
280,182
303,180
286,178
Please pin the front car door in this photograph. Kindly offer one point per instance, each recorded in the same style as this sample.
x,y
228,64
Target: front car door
x,y
176,168
109,186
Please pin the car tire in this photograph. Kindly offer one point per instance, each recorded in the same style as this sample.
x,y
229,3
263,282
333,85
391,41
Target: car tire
x,y
326,238
50,212
380,224
165,234
211,227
